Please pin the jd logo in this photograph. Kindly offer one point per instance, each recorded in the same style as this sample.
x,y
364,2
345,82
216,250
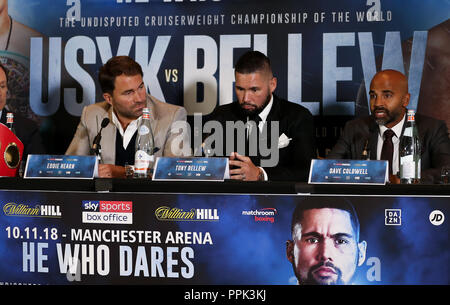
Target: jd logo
x,y
437,217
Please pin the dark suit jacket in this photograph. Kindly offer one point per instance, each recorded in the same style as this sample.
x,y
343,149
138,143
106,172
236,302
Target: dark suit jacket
x,y
295,122
27,132
433,135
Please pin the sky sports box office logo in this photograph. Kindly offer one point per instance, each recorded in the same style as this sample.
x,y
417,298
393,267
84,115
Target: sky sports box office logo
x,y
111,212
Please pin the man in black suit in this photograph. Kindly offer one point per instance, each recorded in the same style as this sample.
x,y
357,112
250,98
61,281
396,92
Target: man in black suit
x,y
389,98
283,130
26,130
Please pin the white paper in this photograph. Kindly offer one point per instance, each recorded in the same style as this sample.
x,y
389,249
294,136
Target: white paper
x,y
227,170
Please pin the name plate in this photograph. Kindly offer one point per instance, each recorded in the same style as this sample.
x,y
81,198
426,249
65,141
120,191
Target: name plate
x,y
349,171
185,169
60,166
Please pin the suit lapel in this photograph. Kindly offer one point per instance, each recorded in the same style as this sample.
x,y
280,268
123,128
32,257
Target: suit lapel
x,y
274,114
3,117
266,135
156,124
108,140
235,115
373,139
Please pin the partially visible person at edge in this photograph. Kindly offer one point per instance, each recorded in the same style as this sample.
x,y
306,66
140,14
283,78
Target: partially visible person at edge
x,y
26,130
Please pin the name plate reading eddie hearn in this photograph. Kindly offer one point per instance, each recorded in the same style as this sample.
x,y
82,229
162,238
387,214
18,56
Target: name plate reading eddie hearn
x,y
60,166
348,171
185,169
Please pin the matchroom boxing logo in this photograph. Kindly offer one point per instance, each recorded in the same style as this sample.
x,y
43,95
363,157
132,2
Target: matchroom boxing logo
x,y
262,215
112,212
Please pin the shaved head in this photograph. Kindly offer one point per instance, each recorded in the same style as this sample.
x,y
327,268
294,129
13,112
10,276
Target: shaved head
x,y
394,78
388,97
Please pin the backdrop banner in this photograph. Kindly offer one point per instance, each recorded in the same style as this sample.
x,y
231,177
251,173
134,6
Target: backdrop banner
x,y
92,238
324,54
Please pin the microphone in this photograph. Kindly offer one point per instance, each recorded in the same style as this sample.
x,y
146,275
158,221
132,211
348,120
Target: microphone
x,y
105,123
365,154
206,150
202,149
96,144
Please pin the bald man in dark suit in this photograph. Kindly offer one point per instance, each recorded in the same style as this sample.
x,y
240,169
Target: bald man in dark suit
x,y
389,98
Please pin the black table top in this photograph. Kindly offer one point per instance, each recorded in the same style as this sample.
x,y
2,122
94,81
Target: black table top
x,y
227,187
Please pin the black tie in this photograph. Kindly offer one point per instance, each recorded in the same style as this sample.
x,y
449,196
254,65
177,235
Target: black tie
x,y
255,118
388,148
253,134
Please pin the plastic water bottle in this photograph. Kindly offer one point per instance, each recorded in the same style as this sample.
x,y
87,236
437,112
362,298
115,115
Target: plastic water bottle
x,y
145,144
409,154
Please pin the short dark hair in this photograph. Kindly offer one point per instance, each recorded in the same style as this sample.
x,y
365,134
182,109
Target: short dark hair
x,y
322,202
114,67
4,70
251,62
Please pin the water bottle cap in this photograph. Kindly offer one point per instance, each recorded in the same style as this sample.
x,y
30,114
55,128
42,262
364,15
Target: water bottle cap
x,y
9,118
145,113
411,114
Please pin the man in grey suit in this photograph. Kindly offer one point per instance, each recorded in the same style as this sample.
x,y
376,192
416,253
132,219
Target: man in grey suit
x,y
389,98
124,91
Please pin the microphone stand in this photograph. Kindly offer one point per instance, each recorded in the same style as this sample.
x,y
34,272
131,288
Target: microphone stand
x,y
96,147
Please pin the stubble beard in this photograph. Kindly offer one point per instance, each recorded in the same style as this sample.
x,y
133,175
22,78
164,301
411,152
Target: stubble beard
x,y
257,110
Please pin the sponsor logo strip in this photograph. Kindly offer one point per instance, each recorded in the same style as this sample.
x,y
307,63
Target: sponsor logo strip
x,y
111,212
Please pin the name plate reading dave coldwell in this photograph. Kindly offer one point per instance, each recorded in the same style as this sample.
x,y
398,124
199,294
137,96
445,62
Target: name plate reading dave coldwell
x,y
348,172
60,166
186,169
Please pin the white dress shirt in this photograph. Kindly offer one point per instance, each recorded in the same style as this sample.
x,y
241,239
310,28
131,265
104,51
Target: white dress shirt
x,y
263,115
130,130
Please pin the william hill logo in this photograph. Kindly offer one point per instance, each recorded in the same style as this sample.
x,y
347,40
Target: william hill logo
x,y
176,214
25,210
